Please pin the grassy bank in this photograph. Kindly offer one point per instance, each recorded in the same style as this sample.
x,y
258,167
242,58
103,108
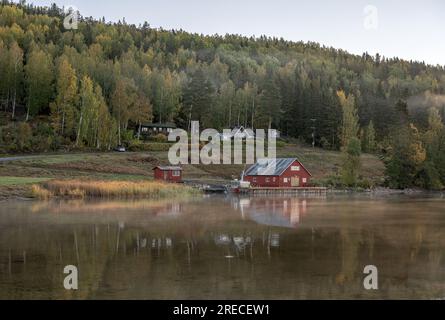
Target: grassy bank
x,y
109,189
18,181
17,176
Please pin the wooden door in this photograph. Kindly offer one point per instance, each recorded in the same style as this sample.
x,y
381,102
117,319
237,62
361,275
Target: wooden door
x,y
295,181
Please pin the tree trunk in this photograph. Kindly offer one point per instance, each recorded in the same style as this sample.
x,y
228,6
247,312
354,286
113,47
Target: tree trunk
x,y
63,122
119,131
78,130
253,111
97,139
27,114
7,102
13,104
230,114
29,106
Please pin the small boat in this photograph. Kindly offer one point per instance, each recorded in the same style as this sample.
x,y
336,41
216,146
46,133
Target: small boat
x,y
214,189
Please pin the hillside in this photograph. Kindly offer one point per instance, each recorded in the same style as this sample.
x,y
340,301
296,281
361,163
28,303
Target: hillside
x,y
133,74
92,87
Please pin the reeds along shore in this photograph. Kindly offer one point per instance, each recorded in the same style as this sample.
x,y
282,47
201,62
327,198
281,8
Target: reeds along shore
x,y
109,189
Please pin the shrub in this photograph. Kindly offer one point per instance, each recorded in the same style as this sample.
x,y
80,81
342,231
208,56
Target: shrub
x,y
137,145
23,136
159,138
41,193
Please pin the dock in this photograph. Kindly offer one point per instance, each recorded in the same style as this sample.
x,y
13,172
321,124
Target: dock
x,y
287,190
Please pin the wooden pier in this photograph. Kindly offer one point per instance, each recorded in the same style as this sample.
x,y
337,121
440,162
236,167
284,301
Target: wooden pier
x,y
287,190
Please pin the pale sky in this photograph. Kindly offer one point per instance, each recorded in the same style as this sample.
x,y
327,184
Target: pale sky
x,y
405,28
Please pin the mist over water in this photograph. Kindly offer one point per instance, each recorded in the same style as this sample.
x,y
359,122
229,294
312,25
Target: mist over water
x,y
224,247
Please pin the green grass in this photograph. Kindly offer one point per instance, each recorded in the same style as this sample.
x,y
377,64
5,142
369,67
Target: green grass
x,y
15,181
130,166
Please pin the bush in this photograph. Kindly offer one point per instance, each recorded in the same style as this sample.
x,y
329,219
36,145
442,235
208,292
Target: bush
x,y
325,144
41,143
137,145
23,136
159,138
365,184
127,137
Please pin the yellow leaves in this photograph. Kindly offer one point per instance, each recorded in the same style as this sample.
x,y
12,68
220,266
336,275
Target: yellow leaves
x,y
342,97
418,153
350,125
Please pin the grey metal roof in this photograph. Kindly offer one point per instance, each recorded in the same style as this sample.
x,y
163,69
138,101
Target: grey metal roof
x,y
270,167
166,168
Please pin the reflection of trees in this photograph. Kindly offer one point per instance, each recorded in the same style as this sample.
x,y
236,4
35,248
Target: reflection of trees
x,y
143,255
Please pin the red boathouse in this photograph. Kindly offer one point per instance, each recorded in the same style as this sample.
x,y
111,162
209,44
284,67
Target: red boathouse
x,y
168,173
279,173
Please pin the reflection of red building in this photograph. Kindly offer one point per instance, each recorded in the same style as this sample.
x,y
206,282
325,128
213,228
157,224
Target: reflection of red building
x,y
168,173
284,212
280,172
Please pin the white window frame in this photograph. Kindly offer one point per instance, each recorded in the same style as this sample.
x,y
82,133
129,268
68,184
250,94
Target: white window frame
x,y
295,168
304,180
176,173
285,180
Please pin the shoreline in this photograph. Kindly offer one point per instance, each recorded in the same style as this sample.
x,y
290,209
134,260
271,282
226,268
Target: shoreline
x,y
19,172
25,194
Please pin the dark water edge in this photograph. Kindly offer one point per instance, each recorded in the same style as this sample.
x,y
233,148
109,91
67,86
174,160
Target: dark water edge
x,y
219,247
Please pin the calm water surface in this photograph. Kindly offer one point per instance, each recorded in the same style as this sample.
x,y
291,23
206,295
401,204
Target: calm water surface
x,y
224,247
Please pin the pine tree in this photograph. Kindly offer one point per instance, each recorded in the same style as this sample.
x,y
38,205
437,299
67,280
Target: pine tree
x,y
407,157
197,100
269,110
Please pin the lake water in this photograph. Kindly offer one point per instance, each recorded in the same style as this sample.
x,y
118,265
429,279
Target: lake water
x,y
224,247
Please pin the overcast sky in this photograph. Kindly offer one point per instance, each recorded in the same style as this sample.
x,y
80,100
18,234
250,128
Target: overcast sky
x,y
405,28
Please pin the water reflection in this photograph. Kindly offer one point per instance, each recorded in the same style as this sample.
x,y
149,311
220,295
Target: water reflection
x,y
224,247
273,211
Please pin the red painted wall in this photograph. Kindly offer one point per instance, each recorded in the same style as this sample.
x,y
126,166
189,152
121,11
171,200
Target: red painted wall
x,y
166,175
278,181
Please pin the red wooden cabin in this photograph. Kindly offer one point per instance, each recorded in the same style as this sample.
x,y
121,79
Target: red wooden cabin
x,y
280,172
168,173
